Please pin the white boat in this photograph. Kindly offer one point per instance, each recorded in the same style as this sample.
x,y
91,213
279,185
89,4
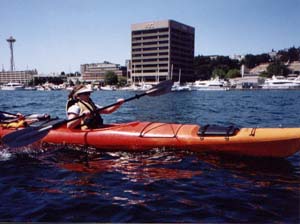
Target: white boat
x,y
128,88
12,86
280,83
297,80
40,88
69,88
177,87
30,88
213,84
142,86
108,88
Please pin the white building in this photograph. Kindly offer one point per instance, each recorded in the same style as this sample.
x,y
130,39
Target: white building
x,y
95,72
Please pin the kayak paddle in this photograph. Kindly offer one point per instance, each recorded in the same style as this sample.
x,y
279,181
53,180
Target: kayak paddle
x,y
30,135
4,119
8,113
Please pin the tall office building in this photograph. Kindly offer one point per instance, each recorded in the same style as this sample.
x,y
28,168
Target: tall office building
x,y
162,50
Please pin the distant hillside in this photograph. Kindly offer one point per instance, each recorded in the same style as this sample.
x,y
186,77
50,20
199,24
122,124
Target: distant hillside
x,y
283,62
294,68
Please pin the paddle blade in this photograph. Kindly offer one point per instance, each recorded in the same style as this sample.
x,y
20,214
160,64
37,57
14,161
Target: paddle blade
x,y
24,137
161,88
31,134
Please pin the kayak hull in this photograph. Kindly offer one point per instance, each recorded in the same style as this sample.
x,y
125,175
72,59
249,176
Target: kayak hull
x,y
143,136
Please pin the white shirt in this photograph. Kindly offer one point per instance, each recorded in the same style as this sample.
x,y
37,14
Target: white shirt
x,y
74,109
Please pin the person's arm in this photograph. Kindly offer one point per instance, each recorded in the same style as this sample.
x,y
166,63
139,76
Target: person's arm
x,y
11,117
20,116
73,111
113,108
75,123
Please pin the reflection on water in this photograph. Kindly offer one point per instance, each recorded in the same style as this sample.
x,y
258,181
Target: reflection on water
x,y
134,171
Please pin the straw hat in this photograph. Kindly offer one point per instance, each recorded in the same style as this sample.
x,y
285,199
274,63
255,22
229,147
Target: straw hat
x,y
84,89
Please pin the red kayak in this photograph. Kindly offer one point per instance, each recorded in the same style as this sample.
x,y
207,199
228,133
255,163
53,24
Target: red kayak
x,y
143,136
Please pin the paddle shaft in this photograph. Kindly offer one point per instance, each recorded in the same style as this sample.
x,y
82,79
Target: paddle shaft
x,y
137,96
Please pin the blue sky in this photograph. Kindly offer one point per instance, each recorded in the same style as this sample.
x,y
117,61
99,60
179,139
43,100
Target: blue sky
x,y
59,35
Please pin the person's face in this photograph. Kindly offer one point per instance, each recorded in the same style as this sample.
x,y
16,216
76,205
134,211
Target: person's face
x,y
84,96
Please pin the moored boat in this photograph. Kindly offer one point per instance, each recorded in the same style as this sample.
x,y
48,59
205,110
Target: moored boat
x,y
13,86
30,88
178,87
108,88
142,86
143,136
207,85
280,83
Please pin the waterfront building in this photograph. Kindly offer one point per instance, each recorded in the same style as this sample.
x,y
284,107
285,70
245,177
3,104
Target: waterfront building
x,y
95,72
161,50
246,82
23,77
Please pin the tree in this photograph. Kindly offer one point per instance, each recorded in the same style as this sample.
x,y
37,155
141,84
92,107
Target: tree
x,y
283,56
110,78
233,73
218,72
205,66
250,61
262,58
290,55
264,75
277,68
294,54
122,81
202,67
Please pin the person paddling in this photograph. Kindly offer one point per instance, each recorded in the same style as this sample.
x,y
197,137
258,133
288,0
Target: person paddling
x,y
79,103
5,116
10,120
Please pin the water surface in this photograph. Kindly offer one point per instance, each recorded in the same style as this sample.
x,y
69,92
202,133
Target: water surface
x,y
64,185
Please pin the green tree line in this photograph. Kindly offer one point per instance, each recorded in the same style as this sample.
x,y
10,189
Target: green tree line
x,y
43,80
206,67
